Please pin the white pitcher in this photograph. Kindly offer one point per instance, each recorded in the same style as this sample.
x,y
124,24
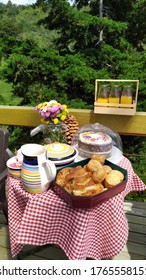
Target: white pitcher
x,y
37,172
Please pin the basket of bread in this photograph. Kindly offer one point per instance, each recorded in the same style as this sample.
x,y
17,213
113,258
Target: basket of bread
x,y
89,182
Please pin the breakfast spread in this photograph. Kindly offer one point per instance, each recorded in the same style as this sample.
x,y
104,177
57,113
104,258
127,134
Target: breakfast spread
x,y
90,179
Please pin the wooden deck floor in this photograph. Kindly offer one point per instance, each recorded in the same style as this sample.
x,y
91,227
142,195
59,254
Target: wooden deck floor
x,y
135,248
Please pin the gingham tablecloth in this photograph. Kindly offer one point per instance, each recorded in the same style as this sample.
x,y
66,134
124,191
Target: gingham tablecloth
x,y
40,219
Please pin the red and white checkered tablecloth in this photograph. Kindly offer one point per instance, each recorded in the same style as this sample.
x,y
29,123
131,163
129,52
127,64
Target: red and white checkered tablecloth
x,y
39,219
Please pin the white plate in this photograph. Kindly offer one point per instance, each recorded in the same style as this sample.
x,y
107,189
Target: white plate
x,y
116,157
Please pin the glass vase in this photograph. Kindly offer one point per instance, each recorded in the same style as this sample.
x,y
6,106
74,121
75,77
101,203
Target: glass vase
x,y
54,133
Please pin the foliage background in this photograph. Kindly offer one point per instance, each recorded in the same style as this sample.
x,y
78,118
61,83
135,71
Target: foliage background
x,y
54,50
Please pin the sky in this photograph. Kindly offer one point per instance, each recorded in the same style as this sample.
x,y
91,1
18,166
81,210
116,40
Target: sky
x,y
19,2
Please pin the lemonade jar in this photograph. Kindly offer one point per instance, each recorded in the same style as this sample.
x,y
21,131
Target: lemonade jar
x,y
103,94
114,96
126,97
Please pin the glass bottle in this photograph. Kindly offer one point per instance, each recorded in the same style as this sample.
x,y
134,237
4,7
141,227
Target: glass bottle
x,y
103,94
114,96
126,97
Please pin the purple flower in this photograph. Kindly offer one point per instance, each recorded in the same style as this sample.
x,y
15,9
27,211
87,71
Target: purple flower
x,y
61,108
54,109
47,114
43,114
36,108
52,116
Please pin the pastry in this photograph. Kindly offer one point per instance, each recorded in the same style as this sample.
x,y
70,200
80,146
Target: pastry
x,y
93,165
81,185
113,178
88,180
60,178
99,158
107,168
75,172
99,175
119,173
90,190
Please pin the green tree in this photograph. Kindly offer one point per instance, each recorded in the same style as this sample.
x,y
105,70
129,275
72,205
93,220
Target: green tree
x,y
137,25
68,67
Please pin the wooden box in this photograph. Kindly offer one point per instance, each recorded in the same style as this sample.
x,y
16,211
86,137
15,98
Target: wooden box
x,y
116,108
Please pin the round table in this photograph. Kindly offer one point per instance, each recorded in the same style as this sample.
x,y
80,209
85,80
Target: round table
x,y
39,219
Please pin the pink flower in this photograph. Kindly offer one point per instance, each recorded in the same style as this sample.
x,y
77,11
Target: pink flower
x,y
43,114
61,108
47,114
54,109
36,109
54,115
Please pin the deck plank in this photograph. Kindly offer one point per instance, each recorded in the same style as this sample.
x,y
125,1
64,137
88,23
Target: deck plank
x,y
136,219
4,237
137,237
5,254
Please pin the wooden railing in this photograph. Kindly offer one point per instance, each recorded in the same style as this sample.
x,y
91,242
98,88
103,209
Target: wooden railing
x,y
124,125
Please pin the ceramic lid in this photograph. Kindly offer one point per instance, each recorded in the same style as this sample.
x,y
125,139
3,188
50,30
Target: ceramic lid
x,y
59,151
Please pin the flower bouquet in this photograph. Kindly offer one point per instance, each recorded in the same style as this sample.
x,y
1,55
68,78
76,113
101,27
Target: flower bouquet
x,y
53,114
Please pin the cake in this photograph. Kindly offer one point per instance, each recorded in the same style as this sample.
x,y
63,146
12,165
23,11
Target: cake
x,y
91,142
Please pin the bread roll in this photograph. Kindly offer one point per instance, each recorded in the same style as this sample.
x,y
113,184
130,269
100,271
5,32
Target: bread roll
x,y
93,165
119,173
99,175
101,159
113,178
107,168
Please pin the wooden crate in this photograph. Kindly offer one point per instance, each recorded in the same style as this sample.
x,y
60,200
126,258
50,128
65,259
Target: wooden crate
x,y
112,108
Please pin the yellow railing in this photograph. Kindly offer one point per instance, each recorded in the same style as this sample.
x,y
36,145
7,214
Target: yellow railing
x,y
124,125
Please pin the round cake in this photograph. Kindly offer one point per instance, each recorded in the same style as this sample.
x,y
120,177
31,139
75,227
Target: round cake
x,y
91,142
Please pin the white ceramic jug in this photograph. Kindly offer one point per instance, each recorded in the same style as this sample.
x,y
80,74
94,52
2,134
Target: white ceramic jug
x,y
37,172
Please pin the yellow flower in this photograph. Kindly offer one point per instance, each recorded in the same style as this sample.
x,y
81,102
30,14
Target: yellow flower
x,y
65,106
44,121
40,106
45,104
56,121
47,122
63,117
